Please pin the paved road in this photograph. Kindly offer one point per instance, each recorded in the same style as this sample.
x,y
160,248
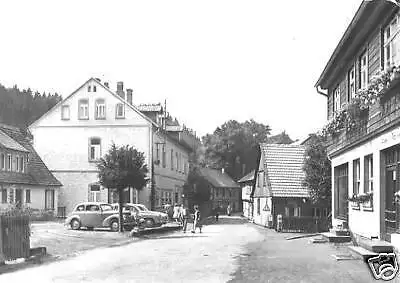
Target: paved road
x,y
230,251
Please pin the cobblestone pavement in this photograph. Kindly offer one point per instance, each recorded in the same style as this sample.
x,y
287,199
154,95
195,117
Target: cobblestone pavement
x,y
232,250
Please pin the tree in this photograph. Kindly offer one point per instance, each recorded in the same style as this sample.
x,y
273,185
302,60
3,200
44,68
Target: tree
x,y
122,167
282,138
317,169
232,146
196,188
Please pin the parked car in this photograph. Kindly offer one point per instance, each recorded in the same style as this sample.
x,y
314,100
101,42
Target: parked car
x,y
97,215
151,218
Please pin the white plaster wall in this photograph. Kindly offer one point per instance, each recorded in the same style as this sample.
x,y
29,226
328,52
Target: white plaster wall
x,y
365,223
262,218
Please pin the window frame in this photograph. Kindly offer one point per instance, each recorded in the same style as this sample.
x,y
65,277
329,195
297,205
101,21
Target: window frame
x,y
336,99
100,109
164,156
122,116
390,34
28,193
9,162
352,82
83,102
369,173
3,161
356,176
46,199
4,191
94,146
62,112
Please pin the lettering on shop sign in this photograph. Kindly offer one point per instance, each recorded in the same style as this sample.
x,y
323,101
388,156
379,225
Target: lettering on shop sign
x,y
393,136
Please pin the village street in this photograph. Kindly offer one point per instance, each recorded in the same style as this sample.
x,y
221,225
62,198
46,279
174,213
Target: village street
x,y
230,251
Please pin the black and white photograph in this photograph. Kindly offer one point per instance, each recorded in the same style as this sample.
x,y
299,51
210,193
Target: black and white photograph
x,y
200,141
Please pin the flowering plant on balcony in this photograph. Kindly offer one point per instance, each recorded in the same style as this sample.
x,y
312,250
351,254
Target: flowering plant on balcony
x,y
361,198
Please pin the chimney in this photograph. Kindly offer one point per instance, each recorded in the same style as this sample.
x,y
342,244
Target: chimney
x,y
129,95
106,85
120,90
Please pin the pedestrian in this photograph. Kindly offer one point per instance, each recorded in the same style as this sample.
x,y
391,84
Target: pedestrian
x,y
228,210
197,219
180,216
185,218
216,213
175,216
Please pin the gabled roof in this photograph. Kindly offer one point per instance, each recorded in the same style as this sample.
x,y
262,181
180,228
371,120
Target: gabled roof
x,y
247,178
104,87
218,179
283,166
37,172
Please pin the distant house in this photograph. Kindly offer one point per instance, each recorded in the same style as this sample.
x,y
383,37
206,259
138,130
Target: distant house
x,y
24,178
224,190
247,183
279,189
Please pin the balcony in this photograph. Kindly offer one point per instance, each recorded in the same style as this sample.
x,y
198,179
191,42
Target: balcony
x,y
381,116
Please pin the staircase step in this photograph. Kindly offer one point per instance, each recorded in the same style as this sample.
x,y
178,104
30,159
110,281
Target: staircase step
x,y
340,232
361,253
333,238
376,246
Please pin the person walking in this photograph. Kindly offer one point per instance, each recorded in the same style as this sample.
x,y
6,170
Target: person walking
x,y
216,213
175,216
185,218
196,222
228,210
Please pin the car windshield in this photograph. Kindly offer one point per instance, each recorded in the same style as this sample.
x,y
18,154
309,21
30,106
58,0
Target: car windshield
x,y
142,208
106,207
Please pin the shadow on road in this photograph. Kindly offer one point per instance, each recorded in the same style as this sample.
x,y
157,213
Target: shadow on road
x,y
223,219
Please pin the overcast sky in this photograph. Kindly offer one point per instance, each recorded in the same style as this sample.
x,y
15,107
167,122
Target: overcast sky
x,y
212,60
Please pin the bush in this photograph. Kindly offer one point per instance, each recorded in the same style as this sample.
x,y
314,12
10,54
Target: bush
x,y
34,214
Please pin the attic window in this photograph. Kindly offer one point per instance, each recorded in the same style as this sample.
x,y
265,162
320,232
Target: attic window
x,y
65,112
119,111
89,88
94,88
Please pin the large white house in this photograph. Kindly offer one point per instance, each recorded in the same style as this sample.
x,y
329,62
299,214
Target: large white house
x,y
80,129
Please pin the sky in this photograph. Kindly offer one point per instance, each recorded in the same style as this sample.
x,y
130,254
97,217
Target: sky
x,y
212,60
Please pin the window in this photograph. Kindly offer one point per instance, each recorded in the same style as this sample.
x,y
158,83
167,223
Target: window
x,y
336,99
341,180
27,196
100,109
287,211
297,211
94,149
94,193
120,111
261,179
316,212
172,159
21,164
89,88
369,174
83,109
352,83
363,70
177,161
9,162
356,177
92,207
258,206
94,88
80,208
390,43
49,199
164,156
17,163
65,112
2,161
4,195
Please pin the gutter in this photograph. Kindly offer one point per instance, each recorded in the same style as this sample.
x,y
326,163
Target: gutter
x,y
320,91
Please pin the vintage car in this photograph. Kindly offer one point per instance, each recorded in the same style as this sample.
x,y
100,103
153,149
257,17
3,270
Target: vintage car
x,y
151,218
98,215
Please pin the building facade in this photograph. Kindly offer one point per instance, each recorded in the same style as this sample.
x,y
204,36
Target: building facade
x,y
365,150
74,134
24,178
247,183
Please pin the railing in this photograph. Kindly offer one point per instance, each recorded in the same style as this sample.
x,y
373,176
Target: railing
x,y
14,237
307,224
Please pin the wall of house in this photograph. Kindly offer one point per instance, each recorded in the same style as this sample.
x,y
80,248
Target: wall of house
x,y
373,48
37,194
222,197
364,221
263,211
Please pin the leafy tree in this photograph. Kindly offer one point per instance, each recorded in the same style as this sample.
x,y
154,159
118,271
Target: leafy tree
x,y
282,138
196,188
232,146
317,169
122,167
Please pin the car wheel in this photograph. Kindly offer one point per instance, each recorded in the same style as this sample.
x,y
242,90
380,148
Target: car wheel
x,y
149,222
114,225
75,224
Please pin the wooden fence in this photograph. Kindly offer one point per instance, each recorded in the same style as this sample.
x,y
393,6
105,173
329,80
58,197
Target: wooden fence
x,y
14,237
306,224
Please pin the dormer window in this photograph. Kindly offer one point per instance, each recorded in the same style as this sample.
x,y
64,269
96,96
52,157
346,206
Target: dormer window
x,y
120,111
100,109
83,109
65,112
